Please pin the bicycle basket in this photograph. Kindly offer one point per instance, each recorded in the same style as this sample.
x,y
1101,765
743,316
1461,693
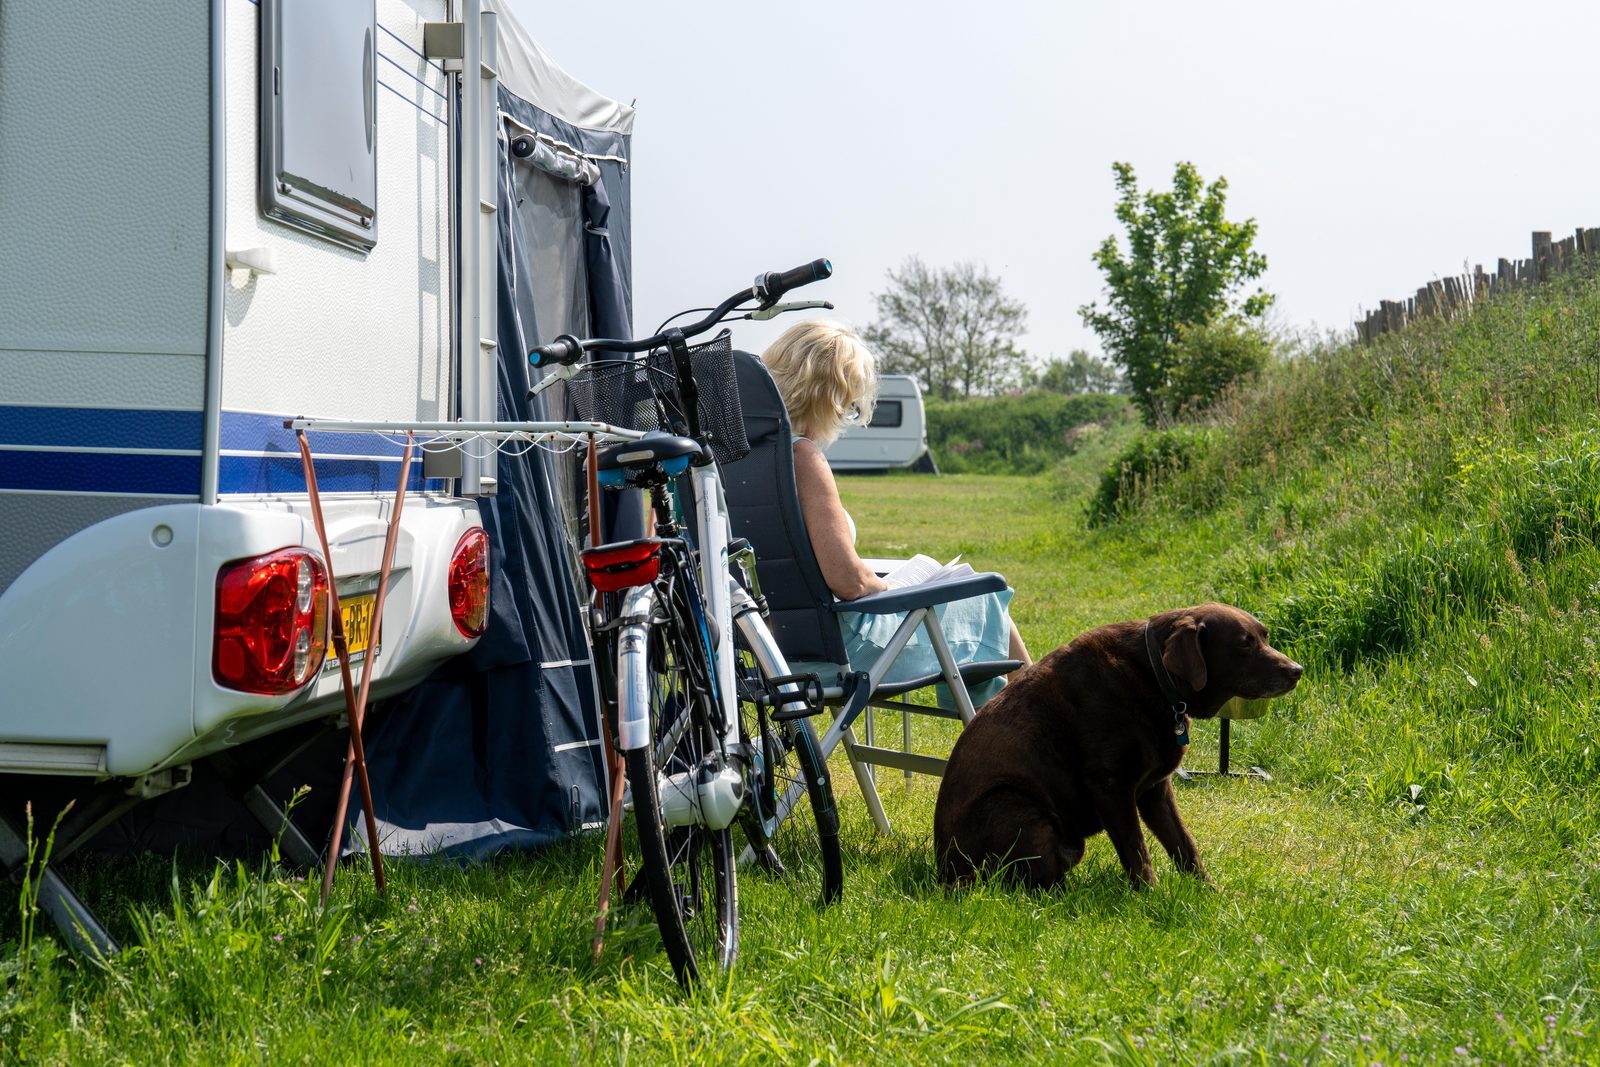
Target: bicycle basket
x,y
624,393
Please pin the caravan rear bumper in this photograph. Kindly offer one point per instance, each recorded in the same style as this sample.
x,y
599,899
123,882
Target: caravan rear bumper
x,y
106,640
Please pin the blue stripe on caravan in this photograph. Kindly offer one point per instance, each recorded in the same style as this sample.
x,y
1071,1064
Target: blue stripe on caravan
x,y
100,472
248,431
282,475
99,427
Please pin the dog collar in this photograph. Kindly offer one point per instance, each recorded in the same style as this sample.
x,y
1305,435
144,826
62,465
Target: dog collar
x,y
1175,703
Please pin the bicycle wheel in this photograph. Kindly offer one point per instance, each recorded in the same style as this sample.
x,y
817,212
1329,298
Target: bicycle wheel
x,y
798,842
688,868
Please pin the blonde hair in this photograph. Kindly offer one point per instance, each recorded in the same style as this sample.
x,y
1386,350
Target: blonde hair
x,y
822,368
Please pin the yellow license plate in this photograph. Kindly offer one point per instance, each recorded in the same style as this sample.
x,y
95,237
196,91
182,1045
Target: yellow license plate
x,y
356,613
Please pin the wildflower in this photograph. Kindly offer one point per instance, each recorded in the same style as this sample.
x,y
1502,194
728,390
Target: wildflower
x,y
1460,1051
277,937
1499,1017
1259,939
1542,1048
1551,1019
477,961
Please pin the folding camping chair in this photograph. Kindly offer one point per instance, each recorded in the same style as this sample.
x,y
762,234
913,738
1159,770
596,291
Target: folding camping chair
x,y
764,508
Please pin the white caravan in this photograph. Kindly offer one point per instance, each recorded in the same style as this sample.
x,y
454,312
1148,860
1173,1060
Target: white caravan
x,y
216,214
896,437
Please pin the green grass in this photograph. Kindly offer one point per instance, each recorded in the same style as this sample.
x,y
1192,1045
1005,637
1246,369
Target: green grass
x,y
1025,434
1419,883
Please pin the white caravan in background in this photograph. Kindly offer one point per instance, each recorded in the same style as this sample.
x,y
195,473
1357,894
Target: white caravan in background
x,y
897,436
216,214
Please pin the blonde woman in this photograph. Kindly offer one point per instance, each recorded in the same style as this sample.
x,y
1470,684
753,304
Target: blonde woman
x,y
828,378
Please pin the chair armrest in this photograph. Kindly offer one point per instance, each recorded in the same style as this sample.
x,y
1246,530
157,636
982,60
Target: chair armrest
x,y
924,595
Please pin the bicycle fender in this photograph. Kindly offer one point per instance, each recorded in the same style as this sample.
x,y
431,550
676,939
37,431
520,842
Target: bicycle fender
x,y
633,672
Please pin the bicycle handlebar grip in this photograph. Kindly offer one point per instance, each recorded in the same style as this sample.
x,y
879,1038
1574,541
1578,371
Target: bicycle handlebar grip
x,y
564,350
774,284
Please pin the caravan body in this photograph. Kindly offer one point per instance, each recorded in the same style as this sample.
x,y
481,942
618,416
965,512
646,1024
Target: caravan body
x,y
215,215
896,437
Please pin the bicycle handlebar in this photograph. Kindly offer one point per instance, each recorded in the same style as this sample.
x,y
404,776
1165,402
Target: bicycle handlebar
x,y
768,289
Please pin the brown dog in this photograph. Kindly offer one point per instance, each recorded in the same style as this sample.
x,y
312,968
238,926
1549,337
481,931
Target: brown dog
x,y
1087,739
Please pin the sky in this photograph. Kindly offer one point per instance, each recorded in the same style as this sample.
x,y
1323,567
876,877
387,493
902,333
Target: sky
x,y
1378,145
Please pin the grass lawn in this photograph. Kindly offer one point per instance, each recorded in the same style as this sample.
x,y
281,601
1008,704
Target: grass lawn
x,y
1344,926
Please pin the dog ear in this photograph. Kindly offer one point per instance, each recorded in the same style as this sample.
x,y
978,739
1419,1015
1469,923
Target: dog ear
x,y
1181,655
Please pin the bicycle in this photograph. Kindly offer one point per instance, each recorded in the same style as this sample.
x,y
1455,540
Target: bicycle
x,y
711,724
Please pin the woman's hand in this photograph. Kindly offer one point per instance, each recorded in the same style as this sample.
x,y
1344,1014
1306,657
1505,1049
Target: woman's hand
x,y
828,526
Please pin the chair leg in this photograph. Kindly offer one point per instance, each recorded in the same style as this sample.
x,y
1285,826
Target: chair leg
x,y
952,671
869,790
905,731
870,732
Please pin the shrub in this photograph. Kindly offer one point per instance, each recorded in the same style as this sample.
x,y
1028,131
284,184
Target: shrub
x,y
1152,459
1207,359
1013,434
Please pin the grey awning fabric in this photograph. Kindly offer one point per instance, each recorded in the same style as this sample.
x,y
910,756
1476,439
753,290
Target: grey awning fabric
x,y
526,72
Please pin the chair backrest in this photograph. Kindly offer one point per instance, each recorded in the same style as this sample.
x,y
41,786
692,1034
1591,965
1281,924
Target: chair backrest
x,y
764,508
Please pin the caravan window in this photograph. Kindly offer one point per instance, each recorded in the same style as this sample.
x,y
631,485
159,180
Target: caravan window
x,y
887,414
319,118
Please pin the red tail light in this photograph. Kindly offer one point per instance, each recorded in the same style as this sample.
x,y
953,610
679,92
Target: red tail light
x,y
272,621
622,566
469,583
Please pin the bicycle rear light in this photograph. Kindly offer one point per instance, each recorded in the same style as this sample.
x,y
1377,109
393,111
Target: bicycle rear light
x,y
272,621
612,568
469,583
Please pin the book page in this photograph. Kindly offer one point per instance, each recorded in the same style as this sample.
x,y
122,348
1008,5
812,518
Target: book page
x,y
920,569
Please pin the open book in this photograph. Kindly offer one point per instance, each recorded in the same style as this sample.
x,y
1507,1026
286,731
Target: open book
x,y
920,569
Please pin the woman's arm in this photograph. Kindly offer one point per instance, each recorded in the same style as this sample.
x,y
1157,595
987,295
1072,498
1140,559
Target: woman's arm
x,y
829,529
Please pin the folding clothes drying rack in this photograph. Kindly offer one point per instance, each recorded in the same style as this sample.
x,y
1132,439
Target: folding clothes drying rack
x,y
499,435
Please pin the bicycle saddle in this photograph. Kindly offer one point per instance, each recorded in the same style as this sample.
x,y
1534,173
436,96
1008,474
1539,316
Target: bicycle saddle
x,y
655,449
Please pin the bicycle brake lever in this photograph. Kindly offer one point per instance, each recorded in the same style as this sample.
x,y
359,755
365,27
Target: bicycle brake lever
x,y
561,373
793,305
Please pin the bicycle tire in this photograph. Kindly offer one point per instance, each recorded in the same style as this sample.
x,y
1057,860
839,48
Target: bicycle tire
x,y
689,871
806,852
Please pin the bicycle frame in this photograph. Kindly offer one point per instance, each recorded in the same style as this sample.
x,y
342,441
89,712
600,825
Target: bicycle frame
x,y
716,802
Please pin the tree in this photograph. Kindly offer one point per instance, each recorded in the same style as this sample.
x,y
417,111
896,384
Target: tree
x,y
1185,264
1078,373
954,329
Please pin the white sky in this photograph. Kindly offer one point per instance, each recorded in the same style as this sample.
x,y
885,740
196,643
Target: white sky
x,y
1377,144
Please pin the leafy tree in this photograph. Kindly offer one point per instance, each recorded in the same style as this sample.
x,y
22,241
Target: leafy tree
x,y
1209,357
954,328
1184,265
1078,373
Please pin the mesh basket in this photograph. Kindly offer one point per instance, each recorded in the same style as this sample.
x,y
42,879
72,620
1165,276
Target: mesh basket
x,y
625,394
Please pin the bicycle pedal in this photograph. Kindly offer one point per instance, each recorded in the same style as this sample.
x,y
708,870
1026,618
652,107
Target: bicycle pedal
x,y
810,694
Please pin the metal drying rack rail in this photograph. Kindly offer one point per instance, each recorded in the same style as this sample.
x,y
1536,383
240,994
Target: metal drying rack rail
x,y
501,436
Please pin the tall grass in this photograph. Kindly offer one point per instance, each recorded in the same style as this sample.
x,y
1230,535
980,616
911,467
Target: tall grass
x,y
1419,519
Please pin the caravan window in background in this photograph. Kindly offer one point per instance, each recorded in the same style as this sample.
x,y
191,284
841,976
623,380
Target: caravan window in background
x,y
887,414
319,118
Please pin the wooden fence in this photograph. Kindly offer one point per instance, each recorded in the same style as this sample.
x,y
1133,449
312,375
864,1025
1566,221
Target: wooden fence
x,y
1450,297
